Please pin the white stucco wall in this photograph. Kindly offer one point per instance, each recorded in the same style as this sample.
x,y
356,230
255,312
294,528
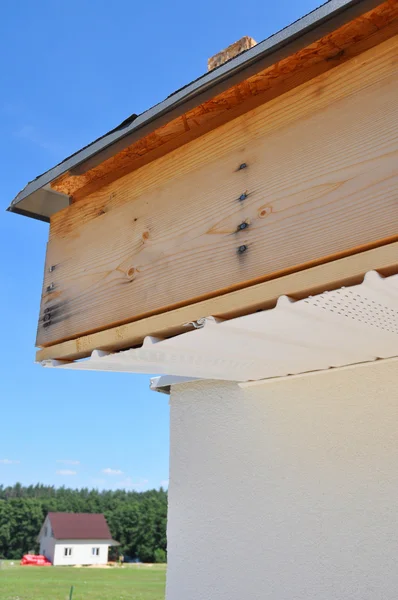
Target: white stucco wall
x,y
81,552
285,491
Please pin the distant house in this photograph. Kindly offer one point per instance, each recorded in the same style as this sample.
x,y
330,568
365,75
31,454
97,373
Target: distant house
x,y
75,539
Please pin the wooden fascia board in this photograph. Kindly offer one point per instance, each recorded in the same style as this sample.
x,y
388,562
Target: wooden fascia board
x,y
320,183
291,66
349,270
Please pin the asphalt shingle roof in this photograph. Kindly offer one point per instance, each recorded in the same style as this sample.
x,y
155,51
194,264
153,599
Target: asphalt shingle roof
x,y
79,526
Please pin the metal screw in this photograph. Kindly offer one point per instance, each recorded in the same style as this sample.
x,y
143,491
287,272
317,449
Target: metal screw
x,y
47,324
46,317
50,287
51,269
242,166
243,196
242,249
243,226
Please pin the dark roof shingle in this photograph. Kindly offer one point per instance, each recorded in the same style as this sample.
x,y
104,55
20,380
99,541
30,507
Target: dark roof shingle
x,y
79,526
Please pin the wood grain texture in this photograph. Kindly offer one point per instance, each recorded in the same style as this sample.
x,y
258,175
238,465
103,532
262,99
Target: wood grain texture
x,y
331,50
314,280
321,180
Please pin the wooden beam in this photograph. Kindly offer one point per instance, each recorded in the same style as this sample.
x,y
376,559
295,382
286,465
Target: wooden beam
x,y
318,57
345,271
320,180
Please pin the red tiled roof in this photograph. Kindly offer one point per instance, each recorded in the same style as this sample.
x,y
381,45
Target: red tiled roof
x,y
79,526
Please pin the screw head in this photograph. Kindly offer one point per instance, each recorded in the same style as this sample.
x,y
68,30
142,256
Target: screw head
x,y
243,225
243,196
242,166
242,249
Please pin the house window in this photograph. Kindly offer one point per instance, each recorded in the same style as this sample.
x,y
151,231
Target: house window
x,y
95,551
45,531
67,551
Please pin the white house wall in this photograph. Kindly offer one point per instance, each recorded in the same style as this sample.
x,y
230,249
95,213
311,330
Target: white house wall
x,y
285,491
47,542
81,552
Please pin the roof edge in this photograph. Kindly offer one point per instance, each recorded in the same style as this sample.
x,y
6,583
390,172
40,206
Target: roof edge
x,y
326,18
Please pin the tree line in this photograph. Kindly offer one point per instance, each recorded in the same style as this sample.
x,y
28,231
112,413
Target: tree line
x,y
137,520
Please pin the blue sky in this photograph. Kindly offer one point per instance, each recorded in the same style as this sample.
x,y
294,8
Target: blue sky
x,y
70,72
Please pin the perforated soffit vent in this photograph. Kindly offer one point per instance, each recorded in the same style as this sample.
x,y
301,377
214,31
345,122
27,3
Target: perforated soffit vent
x,y
338,328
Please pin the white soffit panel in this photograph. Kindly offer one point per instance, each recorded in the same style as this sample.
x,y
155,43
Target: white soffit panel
x,y
337,328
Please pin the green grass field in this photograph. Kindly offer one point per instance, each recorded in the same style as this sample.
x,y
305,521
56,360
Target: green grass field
x,y
130,582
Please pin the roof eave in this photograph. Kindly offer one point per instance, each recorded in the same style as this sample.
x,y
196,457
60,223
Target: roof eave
x,y
39,204
328,17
